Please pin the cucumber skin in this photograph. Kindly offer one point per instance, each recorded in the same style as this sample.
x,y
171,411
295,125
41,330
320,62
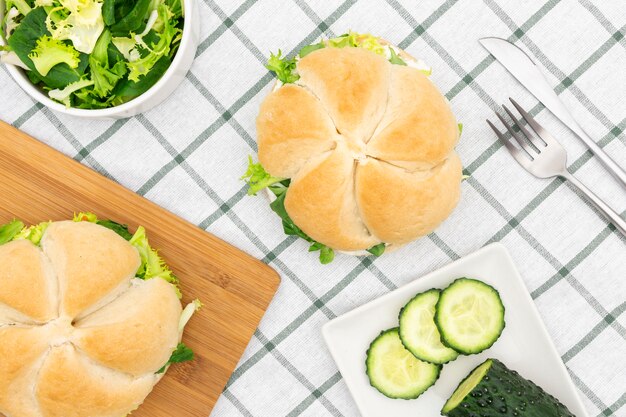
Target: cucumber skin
x,y
505,393
402,340
446,342
367,357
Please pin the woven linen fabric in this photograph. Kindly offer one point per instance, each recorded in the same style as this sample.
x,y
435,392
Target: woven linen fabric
x,y
188,153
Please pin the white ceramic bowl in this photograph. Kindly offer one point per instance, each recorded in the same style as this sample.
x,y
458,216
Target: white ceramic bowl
x,y
155,95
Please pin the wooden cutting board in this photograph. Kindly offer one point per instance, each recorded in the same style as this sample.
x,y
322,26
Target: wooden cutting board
x,y
37,183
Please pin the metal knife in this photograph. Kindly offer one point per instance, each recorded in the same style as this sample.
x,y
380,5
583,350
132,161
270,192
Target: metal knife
x,y
518,63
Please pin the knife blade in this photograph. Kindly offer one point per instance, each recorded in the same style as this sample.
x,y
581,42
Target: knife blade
x,y
524,69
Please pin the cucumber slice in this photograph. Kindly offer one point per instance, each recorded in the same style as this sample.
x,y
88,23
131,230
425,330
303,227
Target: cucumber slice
x,y
492,389
394,371
469,316
418,331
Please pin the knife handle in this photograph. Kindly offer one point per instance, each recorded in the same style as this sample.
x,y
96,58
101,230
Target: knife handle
x,y
612,166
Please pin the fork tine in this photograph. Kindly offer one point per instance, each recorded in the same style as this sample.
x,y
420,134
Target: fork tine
x,y
539,130
521,142
537,142
515,153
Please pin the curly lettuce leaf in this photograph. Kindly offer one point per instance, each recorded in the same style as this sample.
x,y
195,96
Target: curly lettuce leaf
x,y
85,216
23,41
357,40
181,354
128,48
257,178
10,230
21,5
169,35
63,95
82,25
284,68
371,43
33,233
104,76
49,52
460,126
152,265
176,6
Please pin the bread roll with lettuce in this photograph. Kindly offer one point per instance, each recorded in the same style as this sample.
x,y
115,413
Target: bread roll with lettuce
x,y
357,145
90,318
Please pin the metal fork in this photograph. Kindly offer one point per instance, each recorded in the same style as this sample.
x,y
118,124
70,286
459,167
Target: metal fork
x,y
546,158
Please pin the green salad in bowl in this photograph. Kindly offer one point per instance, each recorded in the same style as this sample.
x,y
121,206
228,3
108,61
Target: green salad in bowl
x,y
92,54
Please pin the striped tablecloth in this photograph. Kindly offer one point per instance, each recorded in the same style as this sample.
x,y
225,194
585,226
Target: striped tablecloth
x,y
188,154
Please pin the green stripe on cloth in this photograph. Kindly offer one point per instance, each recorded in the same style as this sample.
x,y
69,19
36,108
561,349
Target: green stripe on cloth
x,y
315,294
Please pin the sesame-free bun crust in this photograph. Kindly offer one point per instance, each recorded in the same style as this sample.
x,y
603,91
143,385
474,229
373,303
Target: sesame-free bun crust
x,y
321,201
378,164
425,200
292,126
84,337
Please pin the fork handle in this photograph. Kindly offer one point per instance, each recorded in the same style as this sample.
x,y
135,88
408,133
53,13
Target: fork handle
x,y
608,212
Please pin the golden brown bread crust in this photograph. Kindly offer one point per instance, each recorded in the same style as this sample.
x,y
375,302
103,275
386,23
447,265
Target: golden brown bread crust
x,y
104,363
21,351
87,275
395,134
418,129
321,201
70,385
23,271
355,98
137,332
291,128
397,206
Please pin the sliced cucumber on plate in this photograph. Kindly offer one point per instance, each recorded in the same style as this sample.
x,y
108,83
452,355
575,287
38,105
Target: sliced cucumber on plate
x,y
469,316
394,371
418,331
436,327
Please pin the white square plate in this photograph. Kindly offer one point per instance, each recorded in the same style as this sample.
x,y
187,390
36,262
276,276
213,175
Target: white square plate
x,y
524,346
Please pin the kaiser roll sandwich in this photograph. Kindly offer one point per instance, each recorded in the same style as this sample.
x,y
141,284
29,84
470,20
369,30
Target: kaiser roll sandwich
x,y
357,145
90,318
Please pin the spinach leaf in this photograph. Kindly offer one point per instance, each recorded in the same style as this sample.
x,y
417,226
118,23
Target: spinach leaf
x,y
114,10
114,55
133,21
181,354
120,229
24,40
327,254
108,12
127,90
283,67
377,250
